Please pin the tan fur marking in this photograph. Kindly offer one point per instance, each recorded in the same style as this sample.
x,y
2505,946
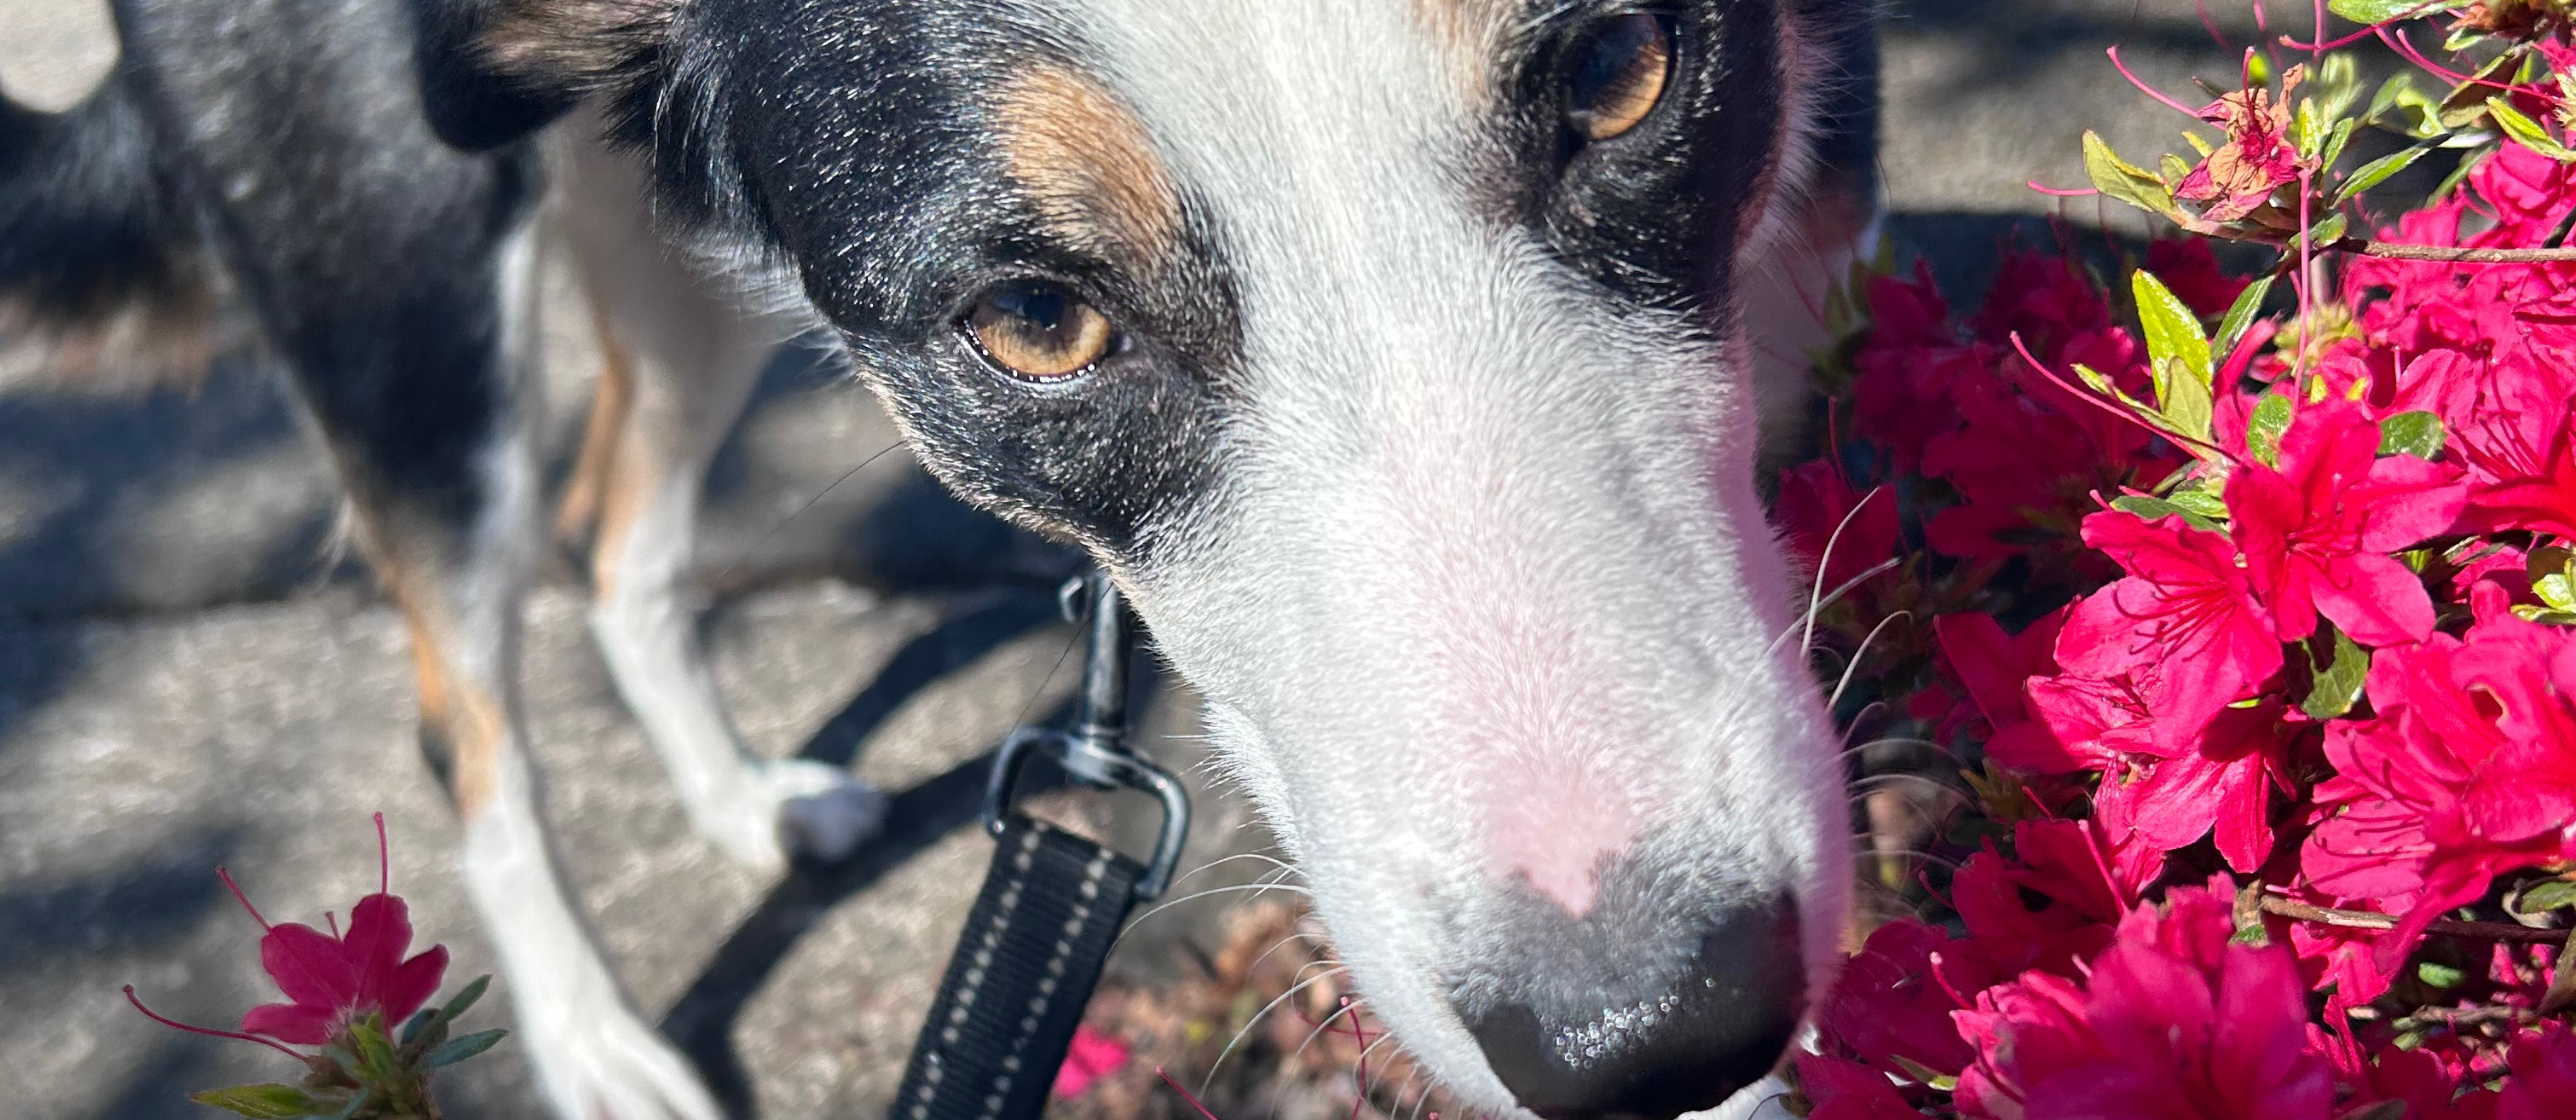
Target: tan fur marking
x,y
469,718
582,43
1466,34
1090,167
611,401
627,487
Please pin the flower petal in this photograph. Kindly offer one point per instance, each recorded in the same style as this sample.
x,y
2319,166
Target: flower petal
x,y
2376,600
311,967
412,983
297,1023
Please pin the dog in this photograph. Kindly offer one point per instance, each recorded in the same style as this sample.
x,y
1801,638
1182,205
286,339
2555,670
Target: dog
x,y
1408,363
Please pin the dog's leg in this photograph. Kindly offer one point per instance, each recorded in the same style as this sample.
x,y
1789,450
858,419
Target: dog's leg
x,y
695,358
432,430
611,401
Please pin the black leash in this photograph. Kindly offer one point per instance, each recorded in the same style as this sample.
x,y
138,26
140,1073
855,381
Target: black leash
x,y
1052,903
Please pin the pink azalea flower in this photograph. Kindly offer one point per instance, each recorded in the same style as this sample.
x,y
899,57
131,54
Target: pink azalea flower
x,y
2469,770
2316,533
2173,1023
2519,440
330,979
2223,781
2096,722
1843,1090
1890,1004
2185,607
1992,666
1091,1056
1819,512
2544,1078
2240,176
333,979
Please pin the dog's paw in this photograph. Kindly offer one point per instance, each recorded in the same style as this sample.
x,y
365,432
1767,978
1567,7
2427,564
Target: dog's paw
x,y
612,1066
823,811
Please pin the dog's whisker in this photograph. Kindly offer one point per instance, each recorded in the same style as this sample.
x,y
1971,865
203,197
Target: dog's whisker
x,y
1216,863
1257,888
1899,741
1349,1006
1876,782
808,507
1854,665
1846,587
1825,563
1245,1031
1292,937
1852,726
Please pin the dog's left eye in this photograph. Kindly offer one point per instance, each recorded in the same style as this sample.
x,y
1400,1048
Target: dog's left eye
x,y
1038,330
1615,72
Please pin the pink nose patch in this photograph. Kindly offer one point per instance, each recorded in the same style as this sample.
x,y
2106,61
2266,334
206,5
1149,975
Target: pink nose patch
x,y
1558,828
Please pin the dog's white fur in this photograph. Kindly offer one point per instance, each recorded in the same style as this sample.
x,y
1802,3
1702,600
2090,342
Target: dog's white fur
x,y
1483,540
1527,518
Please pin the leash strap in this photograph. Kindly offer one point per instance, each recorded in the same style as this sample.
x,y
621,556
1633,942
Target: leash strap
x,y
1023,972
1034,944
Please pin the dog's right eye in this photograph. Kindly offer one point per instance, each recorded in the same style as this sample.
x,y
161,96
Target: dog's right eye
x,y
1039,331
1615,72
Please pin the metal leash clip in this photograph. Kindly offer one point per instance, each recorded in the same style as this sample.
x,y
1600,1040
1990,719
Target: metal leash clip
x,y
1094,751
1052,904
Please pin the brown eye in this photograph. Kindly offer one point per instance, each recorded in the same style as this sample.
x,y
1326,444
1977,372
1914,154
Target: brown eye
x,y
1039,331
1615,72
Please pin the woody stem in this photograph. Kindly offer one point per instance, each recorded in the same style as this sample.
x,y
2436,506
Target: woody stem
x,y
2452,254
2366,919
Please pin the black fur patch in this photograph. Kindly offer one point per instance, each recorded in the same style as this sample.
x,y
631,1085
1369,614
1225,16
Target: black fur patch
x,y
1651,214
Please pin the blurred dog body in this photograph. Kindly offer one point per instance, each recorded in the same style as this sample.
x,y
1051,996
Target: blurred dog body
x,y
1408,361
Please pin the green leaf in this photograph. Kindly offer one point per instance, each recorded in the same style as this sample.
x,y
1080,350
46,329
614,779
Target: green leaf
x,y
2378,171
2307,132
2200,503
2411,433
262,1102
2186,403
2240,316
462,1047
2153,509
412,1027
2381,11
2440,975
2526,131
2120,179
373,1047
2327,232
2173,330
2338,683
2263,430
2336,140
464,999
2545,896
2555,588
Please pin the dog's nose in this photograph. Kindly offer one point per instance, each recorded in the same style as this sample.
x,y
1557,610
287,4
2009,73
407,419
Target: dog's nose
x,y
1661,1045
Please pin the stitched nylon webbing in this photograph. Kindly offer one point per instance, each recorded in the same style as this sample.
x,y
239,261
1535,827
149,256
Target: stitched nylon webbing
x,y
1023,970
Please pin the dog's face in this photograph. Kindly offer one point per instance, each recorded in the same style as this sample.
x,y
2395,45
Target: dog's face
x,y
1387,351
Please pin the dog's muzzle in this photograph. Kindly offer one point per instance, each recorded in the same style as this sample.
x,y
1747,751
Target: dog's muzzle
x,y
1588,1030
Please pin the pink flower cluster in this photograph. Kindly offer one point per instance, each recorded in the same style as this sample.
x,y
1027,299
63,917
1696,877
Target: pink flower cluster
x,y
2278,723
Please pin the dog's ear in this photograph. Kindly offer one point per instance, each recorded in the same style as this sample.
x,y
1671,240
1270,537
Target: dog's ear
x,y
492,71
